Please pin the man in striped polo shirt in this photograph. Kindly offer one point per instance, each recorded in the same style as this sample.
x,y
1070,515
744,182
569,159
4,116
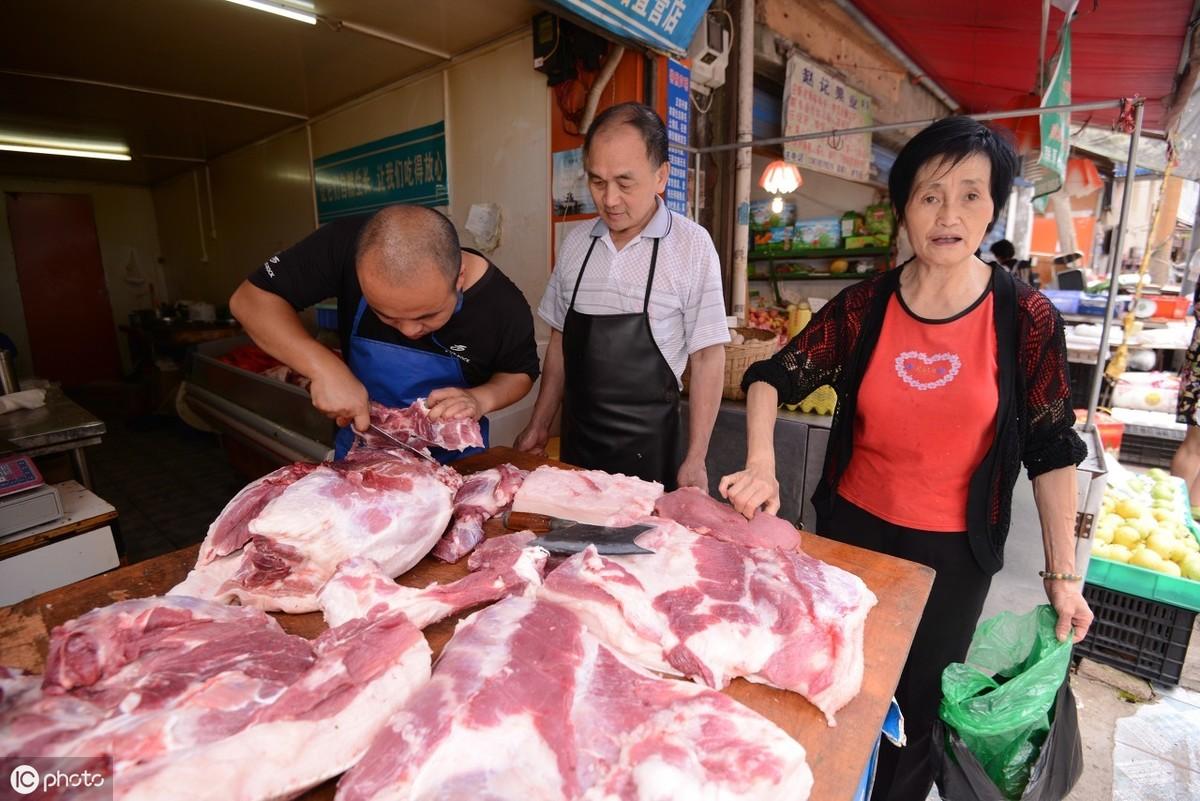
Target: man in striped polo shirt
x,y
633,300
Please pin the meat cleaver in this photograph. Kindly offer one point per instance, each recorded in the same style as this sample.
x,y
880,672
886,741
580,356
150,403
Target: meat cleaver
x,y
566,537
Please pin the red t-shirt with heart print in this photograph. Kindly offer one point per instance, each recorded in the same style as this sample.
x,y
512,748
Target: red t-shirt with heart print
x,y
926,417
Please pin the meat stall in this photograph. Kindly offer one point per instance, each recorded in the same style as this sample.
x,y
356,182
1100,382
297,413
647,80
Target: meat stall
x,y
837,755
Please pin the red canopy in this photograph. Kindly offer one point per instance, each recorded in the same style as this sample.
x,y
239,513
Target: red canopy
x,y
984,54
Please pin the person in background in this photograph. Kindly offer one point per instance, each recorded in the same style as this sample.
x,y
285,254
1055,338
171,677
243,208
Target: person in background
x,y
1186,462
418,316
949,373
634,299
1005,255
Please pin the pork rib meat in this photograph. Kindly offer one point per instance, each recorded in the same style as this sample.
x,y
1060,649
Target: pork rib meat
x,y
413,426
170,687
701,512
587,496
481,496
390,510
526,705
714,610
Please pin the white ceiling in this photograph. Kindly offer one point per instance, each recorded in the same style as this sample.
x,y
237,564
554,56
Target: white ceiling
x,y
279,70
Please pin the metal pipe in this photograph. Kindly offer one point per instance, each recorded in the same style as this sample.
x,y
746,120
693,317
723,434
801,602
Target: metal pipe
x,y
212,213
200,218
447,132
1042,46
366,30
919,75
1115,267
745,135
171,158
312,176
159,92
593,96
894,126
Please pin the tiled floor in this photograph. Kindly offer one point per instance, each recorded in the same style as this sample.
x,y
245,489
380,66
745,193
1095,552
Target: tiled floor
x,y
168,482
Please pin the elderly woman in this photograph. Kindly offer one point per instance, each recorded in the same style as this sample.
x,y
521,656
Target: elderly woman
x,y
949,373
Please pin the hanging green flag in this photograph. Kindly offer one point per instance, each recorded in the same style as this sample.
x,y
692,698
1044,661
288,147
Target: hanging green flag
x,y
1055,127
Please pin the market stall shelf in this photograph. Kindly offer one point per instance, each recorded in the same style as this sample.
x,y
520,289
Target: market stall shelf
x,y
837,756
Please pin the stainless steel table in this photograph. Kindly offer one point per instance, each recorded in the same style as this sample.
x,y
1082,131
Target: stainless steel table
x,y
61,425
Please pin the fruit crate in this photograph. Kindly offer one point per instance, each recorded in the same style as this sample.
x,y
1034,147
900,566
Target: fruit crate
x,y
1136,635
1143,583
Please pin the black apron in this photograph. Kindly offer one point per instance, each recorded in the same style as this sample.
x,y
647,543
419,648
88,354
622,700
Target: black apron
x,y
621,399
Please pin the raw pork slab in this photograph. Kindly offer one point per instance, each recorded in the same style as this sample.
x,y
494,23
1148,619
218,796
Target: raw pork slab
x,y
390,510
413,426
526,705
587,496
482,495
199,700
714,611
701,512
231,530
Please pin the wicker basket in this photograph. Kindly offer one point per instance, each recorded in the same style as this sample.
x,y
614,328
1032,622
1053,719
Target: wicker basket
x,y
759,345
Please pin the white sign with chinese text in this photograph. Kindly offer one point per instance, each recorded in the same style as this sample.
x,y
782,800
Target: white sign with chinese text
x,y
815,101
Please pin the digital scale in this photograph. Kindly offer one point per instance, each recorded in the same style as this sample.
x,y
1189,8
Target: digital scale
x,y
25,498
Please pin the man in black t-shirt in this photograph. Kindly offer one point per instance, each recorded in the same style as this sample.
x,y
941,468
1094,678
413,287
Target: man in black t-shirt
x,y
417,317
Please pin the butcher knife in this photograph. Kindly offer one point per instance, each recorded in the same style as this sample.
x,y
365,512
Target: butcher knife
x,y
403,444
566,537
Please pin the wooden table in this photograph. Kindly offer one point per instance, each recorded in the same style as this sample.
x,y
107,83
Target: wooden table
x,y
837,756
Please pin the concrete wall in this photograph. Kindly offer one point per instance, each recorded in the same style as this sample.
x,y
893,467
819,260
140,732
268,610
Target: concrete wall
x,y
497,149
125,226
261,202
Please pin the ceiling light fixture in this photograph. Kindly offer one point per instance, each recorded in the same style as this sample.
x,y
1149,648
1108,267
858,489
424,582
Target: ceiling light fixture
x,y
19,143
63,151
780,178
299,11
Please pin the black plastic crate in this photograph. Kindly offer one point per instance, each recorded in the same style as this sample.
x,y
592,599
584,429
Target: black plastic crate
x,y
1147,451
1139,636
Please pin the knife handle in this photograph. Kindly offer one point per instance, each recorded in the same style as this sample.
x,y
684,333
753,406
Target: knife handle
x,y
527,521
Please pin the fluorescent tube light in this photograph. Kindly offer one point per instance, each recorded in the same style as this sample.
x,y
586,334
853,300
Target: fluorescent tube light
x,y
282,9
65,151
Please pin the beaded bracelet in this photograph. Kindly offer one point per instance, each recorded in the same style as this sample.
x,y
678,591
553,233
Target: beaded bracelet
x,y
1059,576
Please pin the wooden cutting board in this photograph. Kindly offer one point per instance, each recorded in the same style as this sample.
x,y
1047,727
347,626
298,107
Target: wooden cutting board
x,y
837,755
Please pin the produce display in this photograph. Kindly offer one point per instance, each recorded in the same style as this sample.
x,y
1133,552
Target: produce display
x,y
1142,524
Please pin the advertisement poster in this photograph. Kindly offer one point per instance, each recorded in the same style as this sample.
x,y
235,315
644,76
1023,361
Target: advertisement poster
x,y
570,194
816,101
678,117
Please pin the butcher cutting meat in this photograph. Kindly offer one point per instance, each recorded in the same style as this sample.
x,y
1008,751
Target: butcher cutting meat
x,y
418,316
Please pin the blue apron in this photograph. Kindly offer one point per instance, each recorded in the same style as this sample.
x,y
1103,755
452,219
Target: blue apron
x,y
396,375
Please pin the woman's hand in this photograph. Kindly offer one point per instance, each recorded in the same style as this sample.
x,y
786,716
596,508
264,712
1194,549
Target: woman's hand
x,y
1073,611
752,489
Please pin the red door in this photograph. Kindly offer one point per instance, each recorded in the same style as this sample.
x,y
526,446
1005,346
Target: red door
x,y
72,335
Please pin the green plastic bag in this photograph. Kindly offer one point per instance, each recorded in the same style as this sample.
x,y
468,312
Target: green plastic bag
x,y
999,701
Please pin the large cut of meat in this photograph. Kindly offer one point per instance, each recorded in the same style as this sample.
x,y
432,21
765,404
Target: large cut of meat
x,y
390,510
526,705
231,530
199,700
481,496
413,426
714,611
701,512
587,496
278,541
